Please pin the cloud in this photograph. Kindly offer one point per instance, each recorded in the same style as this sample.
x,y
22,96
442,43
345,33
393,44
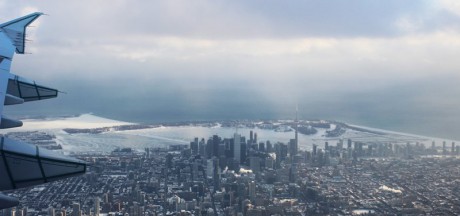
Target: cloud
x,y
246,58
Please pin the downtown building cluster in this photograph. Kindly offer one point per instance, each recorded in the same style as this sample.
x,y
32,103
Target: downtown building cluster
x,y
239,176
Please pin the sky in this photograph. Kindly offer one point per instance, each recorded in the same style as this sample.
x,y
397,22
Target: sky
x,y
382,63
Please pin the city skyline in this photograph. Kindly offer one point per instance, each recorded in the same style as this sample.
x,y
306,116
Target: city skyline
x,y
348,177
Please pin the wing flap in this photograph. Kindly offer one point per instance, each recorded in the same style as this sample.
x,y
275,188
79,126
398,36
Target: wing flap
x,y
29,90
26,165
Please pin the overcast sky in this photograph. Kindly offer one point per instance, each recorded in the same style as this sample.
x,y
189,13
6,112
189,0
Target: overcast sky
x,y
390,63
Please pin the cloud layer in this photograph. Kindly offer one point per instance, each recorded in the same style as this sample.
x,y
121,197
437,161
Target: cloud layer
x,y
382,63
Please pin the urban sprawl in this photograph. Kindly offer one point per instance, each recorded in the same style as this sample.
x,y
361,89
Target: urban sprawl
x,y
242,176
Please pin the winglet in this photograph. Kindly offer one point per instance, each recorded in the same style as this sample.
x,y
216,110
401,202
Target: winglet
x,y
16,30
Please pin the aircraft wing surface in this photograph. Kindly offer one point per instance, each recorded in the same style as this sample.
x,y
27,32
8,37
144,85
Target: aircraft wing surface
x,y
15,89
22,164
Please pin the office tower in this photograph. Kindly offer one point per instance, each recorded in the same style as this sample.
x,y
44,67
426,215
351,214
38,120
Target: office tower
x,y
452,151
210,168
244,152
252,190
97,204
76,209
222,150
216,173
296,130
269,147
444,148
51,211
209,148
314,149
169,158
326,146
349,144
262,147
229,148
237,147
254,163
293,173
202,148
269,163
251,138
255,138
194,146
215,145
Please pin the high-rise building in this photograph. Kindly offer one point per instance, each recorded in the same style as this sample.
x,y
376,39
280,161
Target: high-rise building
x,y
237,147
51,211
254,163
293,173
444,151
452,151
262,147
210,168
202,147
216,173
194,146
251,137
269,147
215,145
252,190
244,152
340,145
296,130
76,209
97,207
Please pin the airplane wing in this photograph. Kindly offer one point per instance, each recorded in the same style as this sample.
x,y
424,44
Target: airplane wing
x,y
15,89
22,164
28,165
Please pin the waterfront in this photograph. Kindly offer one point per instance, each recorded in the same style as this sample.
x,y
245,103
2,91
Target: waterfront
x,y
163,136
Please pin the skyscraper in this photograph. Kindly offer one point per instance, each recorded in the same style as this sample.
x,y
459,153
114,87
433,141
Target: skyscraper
x,y
237,147
252,190
215,145
296,129
96,206
444,147
254,164
76,209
